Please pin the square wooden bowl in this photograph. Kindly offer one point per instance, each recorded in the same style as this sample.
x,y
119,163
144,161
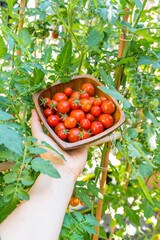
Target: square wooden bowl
x,y
75,83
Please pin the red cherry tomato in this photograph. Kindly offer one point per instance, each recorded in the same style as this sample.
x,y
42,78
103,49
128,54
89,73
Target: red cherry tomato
x,y
60,97
73,135
76,95
45,101
48,112
59,126
62,134
108,107
74,201
85,123
92,99
103,98
106,120
63,107
84,134
78,114
89,88
70,122
68,91
96,111
53,105
96,127
97,102
90,117
86,105
74,103
53,120
84,95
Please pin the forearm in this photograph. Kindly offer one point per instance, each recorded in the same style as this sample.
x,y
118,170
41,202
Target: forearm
x,y
42,216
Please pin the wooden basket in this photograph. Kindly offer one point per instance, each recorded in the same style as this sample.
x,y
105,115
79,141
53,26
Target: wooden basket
x,y
75,83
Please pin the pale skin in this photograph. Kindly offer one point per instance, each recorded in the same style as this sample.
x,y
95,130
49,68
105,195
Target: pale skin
x,y
42,216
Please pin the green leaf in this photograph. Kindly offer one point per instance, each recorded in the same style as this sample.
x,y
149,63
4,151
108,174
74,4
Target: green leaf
x,y
5,116
144,188
27,180
144,60
95,2
120,220
103,12
145,169
148,211
10,138
22,194
133,217
8,192
24,37
37,150
45,167
148,114
45,144
106,78
92,187
112,14
138,4
145,34
156,65
132,151
91,219
47,56
64,58
3,49
132,133
95,36
112,92
150,137
44,5
10,177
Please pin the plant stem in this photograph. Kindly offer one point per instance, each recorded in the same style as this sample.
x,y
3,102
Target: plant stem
x,y
139,14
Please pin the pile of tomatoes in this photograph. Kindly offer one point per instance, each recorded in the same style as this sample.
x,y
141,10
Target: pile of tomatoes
x,y
77,115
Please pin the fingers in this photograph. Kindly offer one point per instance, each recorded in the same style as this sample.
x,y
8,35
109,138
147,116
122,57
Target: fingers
x,y
107,138
36,127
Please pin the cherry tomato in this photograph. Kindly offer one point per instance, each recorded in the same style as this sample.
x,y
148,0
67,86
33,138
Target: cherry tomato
x,y
74,201
70,122
108,107
63,117
68,91
82,203
60,97
62,134
45,101
86,105
48,112
102,98
78,114
96,111
85,123
84,95
74,103
89,88
53,120
53,105
84,135
63,107
76,95
92,99
106,120
97,102
55,35
90,117
73,135
59,126
96,127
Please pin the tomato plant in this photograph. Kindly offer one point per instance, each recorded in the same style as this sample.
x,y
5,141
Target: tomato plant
x,y
87,41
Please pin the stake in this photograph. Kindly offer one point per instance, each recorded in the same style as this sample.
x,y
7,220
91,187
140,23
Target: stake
x,y
20,25
106,158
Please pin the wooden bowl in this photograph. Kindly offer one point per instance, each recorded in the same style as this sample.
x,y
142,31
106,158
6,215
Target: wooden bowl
x,y
75,83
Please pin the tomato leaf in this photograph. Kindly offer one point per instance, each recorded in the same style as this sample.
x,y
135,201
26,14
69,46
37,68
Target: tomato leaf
x,y
133,217
50,147
5,116
47,56
45,167
10,177
3,49
24,37
150,115
10,138
37,150
95,36
138,4
22,194
27,180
